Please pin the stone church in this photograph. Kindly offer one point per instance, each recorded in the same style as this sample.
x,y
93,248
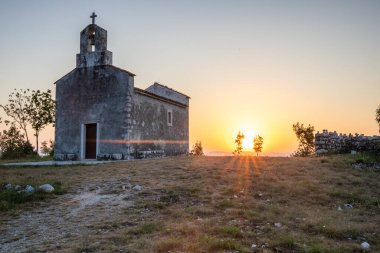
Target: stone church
x,y
101,115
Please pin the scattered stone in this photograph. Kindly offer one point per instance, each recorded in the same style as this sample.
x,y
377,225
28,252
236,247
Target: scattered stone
x,y
117,156
365,245
65,157
29,189
71,157
277,224
357,166
59,157
127,186
8,186
137,187
260,194
348,206
339,208
46,188
253,245
235,196
332,142
103,157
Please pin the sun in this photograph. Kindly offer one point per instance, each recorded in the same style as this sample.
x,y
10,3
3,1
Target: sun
x,y
247,141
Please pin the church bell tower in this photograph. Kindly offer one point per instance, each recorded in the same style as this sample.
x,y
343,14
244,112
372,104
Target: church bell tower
x,y
93,46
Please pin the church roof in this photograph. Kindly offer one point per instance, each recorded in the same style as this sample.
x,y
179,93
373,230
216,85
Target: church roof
x,y
110,66
161,98
166,87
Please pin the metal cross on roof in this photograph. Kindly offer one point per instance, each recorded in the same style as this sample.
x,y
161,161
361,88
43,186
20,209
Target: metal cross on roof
x,y
93,16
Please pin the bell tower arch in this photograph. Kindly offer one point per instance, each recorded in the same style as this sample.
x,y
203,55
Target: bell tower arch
x,y
93,46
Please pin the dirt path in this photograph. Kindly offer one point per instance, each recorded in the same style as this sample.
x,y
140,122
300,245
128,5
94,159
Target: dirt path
x,y
68,217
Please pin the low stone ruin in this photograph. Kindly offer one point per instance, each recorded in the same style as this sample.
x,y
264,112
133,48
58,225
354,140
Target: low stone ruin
x,y
332,142
143,154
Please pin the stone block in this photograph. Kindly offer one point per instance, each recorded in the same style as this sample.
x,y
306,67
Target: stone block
x,y
59,157
103,157
117,156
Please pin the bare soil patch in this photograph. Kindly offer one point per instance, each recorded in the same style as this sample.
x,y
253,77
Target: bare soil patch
x,y
199,204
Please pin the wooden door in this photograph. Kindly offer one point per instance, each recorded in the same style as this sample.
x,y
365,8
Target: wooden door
x,y
90,141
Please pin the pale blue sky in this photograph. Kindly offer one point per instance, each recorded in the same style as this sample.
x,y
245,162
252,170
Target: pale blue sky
x,y
259,65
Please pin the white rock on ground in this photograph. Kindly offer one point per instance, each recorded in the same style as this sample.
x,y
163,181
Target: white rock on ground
x,y
137,187
277,224
364,245
46,188
8,186
29,189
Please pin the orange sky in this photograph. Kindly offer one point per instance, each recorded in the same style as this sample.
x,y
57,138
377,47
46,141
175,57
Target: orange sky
x,y
254,66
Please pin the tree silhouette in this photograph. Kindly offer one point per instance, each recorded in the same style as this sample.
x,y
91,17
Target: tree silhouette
x,y
239,142
41,111
258,144
305,136
197,149
16,109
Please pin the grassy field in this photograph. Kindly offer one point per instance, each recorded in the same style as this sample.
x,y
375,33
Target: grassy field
x,y
199,204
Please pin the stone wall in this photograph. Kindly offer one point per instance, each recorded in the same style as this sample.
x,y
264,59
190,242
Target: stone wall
x,y
332,142
150,128
92,95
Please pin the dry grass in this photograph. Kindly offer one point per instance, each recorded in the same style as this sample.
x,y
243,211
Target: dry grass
x,y
225,204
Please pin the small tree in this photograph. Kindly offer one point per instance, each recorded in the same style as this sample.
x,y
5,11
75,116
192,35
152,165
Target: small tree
x,y
13,144
239,142
40,111
258,144
47,150
197,149
18,101
305,137
378,116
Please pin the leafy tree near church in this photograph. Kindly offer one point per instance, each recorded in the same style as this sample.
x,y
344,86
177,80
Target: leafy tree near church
x,y
378,116
41,111
305,137
239,143
29,108
13,144
18,101
47,150
258,144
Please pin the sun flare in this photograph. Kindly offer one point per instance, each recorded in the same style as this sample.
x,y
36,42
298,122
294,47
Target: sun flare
x,y
248,141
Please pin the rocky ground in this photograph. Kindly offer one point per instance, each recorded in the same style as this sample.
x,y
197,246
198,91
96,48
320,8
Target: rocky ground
x,y
207,204
73,215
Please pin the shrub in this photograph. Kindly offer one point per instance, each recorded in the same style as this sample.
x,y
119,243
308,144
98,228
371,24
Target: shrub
x,y
197,149
13,144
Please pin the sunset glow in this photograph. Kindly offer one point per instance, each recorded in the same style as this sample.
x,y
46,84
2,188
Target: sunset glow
x,y
248,141
261,68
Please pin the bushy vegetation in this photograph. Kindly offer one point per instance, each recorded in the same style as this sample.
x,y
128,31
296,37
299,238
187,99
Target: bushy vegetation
x,y
305,137
13,144
47,150
239,143
258,144
197,149
25,109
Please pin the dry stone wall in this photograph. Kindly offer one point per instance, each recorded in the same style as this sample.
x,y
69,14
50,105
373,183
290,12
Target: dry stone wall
x,y
332,142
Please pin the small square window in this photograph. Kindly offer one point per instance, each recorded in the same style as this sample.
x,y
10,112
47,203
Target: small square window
x,y
170,118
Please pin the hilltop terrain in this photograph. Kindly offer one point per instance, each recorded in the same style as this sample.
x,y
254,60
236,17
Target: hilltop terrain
x,y
199,204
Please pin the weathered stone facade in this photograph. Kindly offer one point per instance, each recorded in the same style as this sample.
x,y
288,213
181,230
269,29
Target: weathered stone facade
x,y
100,114
332,142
